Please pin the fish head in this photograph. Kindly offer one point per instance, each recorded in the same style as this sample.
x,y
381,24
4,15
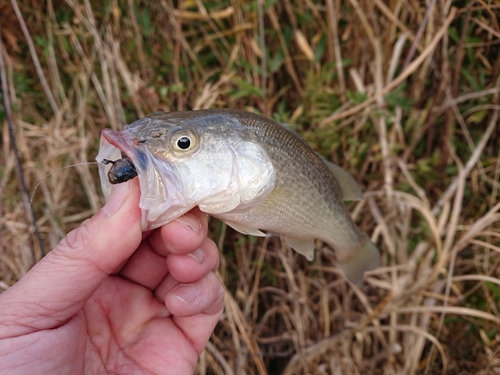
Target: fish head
x,y
188,159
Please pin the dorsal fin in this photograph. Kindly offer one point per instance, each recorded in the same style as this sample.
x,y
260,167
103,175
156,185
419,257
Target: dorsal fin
x,y
350,188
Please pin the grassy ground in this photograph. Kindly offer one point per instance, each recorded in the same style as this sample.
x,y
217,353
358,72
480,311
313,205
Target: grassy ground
x,y
402,93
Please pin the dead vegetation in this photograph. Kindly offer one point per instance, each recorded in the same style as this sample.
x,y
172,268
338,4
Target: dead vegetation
x,y
404,94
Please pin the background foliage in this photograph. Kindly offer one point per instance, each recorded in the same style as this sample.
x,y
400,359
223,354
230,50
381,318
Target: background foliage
x,y
402,93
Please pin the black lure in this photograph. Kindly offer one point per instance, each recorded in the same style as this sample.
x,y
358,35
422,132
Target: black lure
x,y
122,170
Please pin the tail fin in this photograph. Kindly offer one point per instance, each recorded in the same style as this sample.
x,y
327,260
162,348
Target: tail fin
x,y
365,259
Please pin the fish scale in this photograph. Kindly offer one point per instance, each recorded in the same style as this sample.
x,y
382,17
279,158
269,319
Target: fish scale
x,y
253,173
302,168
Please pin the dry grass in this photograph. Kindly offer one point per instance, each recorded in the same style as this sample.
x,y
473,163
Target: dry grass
x,y
404,94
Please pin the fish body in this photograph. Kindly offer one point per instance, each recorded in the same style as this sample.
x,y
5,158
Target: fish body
x,y
253,173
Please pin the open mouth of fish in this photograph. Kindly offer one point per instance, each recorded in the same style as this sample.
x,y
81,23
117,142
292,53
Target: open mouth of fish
x,y
118,151
126,155
122,169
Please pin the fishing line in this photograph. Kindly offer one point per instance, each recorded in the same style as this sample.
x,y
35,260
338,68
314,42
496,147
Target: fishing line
x,y
58,170
39,183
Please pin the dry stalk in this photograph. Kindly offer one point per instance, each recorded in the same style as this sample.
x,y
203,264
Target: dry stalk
x,y
420,31
288,60
262,44
28,208
470,163
399,79
332,25
243,331
34,56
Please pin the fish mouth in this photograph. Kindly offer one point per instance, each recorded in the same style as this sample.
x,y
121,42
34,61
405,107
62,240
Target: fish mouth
x,y
122,169
129,146
123,152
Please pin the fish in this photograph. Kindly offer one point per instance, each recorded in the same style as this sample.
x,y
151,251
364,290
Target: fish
x,y
253,173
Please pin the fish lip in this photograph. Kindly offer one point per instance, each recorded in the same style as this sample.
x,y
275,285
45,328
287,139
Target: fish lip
x,y
128,145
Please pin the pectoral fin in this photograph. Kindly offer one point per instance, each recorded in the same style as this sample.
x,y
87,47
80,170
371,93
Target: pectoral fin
x,y
304,247
350,188
245,229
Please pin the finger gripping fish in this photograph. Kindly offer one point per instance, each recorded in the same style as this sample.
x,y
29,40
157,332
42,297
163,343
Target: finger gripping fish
x,y
253,173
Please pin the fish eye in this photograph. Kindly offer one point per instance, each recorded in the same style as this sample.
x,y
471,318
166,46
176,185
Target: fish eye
x,y
183,140
183,143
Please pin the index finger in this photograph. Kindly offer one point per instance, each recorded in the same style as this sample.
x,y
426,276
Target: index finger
x,y
181,236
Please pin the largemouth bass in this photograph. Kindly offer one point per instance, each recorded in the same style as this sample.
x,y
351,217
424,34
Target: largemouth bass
x,y
255,174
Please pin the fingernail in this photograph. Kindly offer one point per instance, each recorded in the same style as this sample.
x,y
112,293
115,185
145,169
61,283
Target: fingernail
x,y
118,197
186,293
191,222
197,255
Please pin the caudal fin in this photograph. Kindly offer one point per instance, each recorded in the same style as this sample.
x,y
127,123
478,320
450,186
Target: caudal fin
x,y
366,258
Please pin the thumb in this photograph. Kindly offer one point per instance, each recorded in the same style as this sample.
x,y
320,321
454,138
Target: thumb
x,y
58,286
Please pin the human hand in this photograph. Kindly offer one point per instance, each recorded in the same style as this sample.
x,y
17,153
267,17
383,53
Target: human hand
x,y
112,300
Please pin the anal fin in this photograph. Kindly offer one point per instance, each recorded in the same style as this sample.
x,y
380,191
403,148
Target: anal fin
x,y
304,247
